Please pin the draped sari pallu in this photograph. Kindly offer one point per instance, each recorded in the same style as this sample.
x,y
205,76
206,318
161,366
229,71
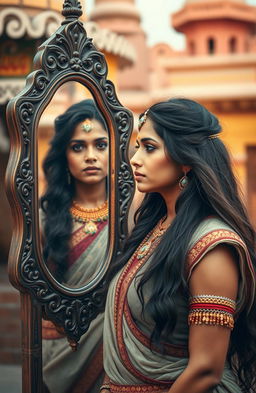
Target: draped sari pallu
x,y
80,371
130,361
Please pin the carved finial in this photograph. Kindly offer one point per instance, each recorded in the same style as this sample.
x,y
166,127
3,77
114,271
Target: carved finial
x,y
72,9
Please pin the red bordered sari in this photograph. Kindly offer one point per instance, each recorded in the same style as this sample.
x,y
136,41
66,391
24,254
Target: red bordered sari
x,y
65,371
128,359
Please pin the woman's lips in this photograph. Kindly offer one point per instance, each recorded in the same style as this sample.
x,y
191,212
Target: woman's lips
x,y
138,175
91,169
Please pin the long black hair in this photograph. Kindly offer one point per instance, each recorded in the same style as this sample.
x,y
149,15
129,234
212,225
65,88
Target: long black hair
x,y
57,199
185,127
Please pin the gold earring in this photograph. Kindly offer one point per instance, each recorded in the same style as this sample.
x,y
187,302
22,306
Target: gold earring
x,y
183,182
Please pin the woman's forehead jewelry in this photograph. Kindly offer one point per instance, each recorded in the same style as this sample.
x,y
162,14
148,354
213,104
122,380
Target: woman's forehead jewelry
x,y
143,119
213,136
87,125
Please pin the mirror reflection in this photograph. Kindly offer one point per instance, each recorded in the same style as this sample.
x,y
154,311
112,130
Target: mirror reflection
x,y
73,189
65,371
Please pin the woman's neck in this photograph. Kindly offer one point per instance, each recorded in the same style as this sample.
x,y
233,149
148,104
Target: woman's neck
x,y
170,198
90,195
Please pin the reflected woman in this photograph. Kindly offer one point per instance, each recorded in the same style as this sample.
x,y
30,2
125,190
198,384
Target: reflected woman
x,y
74,216
180,315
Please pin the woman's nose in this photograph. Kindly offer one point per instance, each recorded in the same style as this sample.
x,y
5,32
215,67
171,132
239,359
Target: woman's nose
x,y
135,160
90,154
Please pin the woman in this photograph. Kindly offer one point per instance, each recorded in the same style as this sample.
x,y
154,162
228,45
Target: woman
x,y
180,313
75,232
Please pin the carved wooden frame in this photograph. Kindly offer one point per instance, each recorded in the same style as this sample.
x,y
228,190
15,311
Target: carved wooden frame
x,y
68,55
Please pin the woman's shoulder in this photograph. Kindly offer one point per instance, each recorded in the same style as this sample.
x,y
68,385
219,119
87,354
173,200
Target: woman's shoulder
x,y
211,230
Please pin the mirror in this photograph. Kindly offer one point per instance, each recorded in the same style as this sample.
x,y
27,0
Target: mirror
x,y
67,68
73,162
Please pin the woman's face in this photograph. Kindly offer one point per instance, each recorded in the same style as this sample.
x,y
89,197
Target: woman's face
x,y
154,170
87,153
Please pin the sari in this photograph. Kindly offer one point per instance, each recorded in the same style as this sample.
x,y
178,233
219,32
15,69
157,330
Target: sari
x,y
130,361
65,371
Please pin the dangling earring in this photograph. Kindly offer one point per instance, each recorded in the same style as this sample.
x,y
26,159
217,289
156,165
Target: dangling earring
x,y
183,182
68,177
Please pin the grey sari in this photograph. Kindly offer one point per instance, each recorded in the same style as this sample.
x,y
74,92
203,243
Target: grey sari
x,y
128,358
65,371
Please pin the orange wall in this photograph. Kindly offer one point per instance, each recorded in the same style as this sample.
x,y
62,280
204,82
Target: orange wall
x,y
239,131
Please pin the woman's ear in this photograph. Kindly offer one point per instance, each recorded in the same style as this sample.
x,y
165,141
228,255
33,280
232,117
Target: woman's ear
x,y
186,168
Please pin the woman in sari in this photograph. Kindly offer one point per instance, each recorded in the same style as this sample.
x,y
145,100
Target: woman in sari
x,y
74,216
180,315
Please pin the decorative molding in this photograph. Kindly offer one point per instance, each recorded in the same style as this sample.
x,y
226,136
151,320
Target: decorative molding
x,y
9,88
16,23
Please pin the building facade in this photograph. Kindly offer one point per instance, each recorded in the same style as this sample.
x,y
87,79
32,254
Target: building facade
x,y
217,68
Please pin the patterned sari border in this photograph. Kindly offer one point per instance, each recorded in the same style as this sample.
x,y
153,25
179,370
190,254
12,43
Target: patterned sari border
x,y
122,286
139,388
216,237
206,241
81,241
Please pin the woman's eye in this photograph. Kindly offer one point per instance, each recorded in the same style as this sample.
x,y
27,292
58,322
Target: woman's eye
x,y
149,148
101,145
77,147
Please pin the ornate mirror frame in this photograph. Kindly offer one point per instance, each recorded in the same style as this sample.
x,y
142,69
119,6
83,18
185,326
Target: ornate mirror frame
x,y
68,55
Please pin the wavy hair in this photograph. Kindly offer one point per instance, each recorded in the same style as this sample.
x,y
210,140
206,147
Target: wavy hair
x,y
185,127
57,199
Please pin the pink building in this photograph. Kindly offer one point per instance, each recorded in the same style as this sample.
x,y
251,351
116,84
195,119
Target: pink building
x,y
217,68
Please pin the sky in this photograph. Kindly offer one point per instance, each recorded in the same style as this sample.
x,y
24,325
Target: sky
x,y
156,20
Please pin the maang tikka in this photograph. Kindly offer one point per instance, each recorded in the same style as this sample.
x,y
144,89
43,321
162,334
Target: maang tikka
x,y
87,125
143,119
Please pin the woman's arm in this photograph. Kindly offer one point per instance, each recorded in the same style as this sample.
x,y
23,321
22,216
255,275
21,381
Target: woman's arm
x,y
216,274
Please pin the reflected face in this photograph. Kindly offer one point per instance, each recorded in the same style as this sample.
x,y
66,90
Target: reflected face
x,y
154,169
87,153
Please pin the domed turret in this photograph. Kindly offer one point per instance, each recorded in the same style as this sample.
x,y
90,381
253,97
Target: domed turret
x,y
216,27
122,17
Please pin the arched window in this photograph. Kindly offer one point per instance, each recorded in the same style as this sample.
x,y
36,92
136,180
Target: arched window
x,y
233,45
192,48
211,46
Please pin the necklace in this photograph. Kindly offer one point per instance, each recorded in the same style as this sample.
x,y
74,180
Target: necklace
x,y
157,232
90,217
